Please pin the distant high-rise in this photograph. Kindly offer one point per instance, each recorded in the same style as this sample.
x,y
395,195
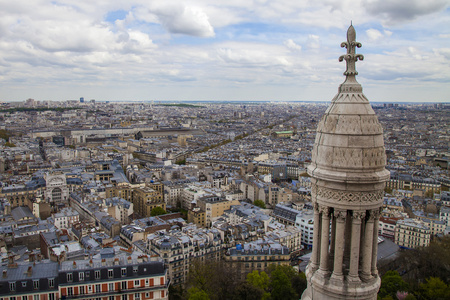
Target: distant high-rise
x,y
81,99
348,179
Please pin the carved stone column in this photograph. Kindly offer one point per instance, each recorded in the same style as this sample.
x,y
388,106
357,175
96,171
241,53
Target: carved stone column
x,y
354,251
376,224
325,240
340,216
316,242
366,273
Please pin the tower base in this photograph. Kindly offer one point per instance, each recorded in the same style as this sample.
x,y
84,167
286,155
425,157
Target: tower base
x,y
328,288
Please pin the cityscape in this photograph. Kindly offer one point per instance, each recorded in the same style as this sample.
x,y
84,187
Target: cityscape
x,y
192,150
112,187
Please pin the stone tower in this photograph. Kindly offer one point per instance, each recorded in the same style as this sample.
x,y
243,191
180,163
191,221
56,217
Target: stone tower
x,y
348,179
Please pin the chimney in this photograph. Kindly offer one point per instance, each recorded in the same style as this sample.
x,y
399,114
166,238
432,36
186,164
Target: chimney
x,y
31,257
4,273
116,261
74,265
103,262
29,271
91,263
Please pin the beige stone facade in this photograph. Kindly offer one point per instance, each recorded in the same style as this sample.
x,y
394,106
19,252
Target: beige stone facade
x,y
411,233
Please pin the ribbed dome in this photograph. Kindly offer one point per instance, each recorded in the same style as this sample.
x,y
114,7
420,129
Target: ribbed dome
x,y
349,144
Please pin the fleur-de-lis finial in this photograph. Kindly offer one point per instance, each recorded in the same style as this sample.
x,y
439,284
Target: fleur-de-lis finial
x,y
351,57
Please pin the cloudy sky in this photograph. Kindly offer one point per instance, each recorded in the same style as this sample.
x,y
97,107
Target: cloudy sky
x,y
275,50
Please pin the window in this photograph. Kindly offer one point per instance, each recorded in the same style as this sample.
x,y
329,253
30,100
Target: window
x,y
123,271
69,291
137,283
135,269
36,297
110,286
97,274
51,282
89,288
24,284
111,297
146,282
124,297
124,285
97,288
81,290
36,284
12,286
81,276
110,273
137,296
69,277
24,297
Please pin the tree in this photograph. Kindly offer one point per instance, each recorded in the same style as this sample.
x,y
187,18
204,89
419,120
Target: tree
x,y
299,283
391,283
260,281
434,288
260,203
280,283
181,162
4,135
247,291
197,294
157,211
9,144
419,264
215,278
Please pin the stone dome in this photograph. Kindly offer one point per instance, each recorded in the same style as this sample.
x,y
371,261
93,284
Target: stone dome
x,y
349,145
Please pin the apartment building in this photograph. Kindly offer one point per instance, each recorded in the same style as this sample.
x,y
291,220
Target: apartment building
x,y
410,233
106,277
305,222
257,255
179,248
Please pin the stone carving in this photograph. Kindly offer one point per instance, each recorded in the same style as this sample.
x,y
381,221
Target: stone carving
x,y
351,57
324,210
358,215
344,157
370,125
352,89
347,197
350,125
316,207
371,215
350,157
340,215
374,157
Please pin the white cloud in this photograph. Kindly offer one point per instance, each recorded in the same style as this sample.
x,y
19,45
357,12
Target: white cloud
x,y
399,11
76,44
445,52
178,18
313,41
374,34
292,45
